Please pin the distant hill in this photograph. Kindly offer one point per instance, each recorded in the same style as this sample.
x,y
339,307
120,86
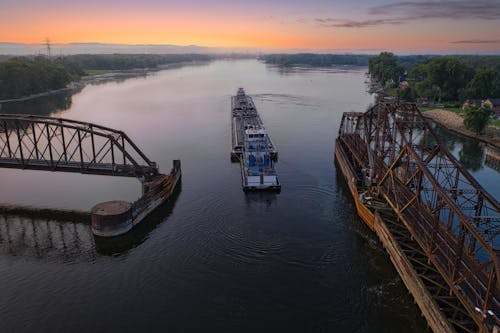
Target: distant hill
x,y
100,48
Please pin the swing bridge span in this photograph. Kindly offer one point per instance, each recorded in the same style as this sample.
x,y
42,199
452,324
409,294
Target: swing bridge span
x,y
57,144
439,225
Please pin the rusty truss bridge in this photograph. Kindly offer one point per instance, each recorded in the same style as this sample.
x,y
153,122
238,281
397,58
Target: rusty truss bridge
x,y
57,144
446,224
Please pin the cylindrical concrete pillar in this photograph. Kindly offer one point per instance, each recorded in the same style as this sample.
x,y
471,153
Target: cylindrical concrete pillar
x,y
111,218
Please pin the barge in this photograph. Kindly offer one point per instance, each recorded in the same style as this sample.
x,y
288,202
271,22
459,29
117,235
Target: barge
x,y
252,146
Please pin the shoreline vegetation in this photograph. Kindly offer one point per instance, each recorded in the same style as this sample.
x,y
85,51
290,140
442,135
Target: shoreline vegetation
x,y
25,78
453,122
442,80
438,84
316,60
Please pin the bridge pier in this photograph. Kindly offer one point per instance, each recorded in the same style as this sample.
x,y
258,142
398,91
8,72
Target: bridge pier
x,y
31,142
114,218
111,218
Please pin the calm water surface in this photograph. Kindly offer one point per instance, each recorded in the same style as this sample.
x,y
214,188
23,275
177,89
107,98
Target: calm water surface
x,y
212,259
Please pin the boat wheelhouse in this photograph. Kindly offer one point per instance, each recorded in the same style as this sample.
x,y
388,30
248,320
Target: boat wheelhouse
x,y
258,172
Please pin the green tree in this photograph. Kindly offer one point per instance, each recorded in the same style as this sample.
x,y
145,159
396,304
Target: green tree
x,y
385,68
23,76
484,84
441,78
475,119
408,94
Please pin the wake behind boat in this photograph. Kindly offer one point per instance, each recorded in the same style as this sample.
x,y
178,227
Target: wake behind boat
x,y
252,146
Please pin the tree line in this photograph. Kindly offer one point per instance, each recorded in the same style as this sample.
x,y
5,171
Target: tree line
x,y
451,79
21,76
315,60
24,76
327,60
439,78
131,61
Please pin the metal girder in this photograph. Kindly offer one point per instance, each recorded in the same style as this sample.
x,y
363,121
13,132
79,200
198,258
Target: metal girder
x,y
452,218
57,144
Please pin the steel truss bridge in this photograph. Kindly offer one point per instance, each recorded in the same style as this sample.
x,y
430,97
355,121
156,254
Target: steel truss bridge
x,y
57,144
448,225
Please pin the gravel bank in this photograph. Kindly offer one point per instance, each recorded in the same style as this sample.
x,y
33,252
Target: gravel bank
x,y
454,122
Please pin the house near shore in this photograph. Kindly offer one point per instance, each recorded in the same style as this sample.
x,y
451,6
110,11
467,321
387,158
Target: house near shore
x,y
492,103
404,85
477,103
423,101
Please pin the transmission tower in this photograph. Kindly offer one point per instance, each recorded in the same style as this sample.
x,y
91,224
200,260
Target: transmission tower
x,y
47,45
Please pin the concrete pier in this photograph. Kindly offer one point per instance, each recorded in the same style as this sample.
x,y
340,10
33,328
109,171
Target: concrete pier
x,y
111,218
114,218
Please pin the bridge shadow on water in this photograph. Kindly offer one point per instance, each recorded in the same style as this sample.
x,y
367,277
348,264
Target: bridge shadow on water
x,y
45,234
49,234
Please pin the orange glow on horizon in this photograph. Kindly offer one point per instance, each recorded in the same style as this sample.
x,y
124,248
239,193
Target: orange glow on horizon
x,y
213,26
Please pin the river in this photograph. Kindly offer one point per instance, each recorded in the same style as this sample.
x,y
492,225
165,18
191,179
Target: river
x,y
214,259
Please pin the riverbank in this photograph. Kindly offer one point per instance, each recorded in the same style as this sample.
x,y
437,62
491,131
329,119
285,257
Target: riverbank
x,y
455,123
72,86
103,76
94,78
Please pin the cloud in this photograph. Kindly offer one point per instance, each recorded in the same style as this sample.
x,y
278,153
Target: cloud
x,y
408,11
477,41
413,10
343,23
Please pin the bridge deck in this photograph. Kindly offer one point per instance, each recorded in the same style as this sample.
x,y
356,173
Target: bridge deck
x,y
105,169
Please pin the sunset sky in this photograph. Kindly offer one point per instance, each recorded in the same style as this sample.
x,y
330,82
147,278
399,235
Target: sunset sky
x,y
314,25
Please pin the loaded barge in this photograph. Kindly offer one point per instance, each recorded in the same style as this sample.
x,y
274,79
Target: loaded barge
x,y
252,146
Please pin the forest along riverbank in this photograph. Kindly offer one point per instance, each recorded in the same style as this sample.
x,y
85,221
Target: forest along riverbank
x,y
455,123
102,77
25,78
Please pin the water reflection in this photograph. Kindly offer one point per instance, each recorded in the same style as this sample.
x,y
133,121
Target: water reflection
x,y
471,155
468,151
66,235
116,76
288,70
40,106
25,235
